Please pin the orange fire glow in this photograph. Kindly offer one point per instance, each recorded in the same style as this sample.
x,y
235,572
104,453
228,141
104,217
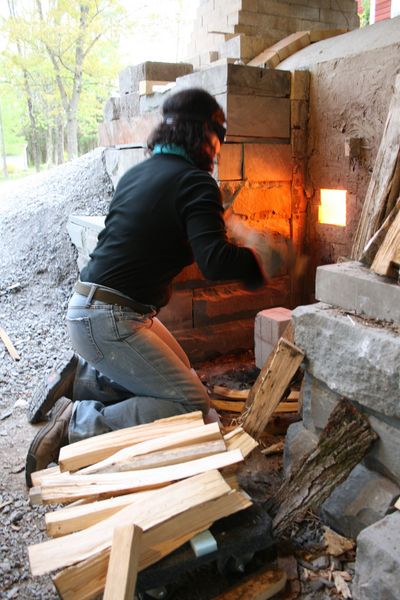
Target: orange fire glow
x,y
332,210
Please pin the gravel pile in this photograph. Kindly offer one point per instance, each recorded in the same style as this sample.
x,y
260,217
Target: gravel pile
x,y
37,272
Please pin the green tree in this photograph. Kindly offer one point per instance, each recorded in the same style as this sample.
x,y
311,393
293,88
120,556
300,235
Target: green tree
x,y
57,51
366,12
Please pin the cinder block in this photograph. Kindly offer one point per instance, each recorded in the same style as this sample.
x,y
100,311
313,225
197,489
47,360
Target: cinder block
x,y
230,163
243,47
318,403
300,85
224,302
256,117
262,350
112,109
377,569
154,71
130,105
273,7
338,17
273,322
178,313
257,202
239,79
363,499
298,114
267,162
119,160
353,287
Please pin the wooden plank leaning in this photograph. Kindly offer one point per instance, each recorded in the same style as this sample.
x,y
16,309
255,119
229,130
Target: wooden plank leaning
x,y
375,208
273,380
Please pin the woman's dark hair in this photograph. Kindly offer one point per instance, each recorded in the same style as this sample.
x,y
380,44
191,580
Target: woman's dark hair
x,y
188,117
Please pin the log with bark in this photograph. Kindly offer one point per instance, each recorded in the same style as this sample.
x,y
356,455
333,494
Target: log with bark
x,y
342,444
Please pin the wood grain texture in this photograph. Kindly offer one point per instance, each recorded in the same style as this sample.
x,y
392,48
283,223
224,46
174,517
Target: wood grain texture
x,y
386,259
123,564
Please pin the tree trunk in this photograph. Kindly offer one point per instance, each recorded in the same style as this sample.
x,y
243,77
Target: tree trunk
x,y
60,140
343,443
49,146
3,148
72,136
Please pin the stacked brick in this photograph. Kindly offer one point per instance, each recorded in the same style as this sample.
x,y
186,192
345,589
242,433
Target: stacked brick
x,y
241,29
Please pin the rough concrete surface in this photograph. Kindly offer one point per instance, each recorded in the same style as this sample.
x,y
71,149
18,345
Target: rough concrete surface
x,y
378,561
364,498
38,269
356,359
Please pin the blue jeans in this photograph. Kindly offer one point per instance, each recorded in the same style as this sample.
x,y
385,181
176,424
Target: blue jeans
x,y
133,370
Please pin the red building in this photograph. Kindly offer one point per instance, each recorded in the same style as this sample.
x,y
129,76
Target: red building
x,y
383,9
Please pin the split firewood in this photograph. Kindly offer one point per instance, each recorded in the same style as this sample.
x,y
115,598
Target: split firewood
x,y
63,551
288,335
226,405
383,179
238,439
75,518
261,586
224,392
86,579
273,449
123,564
91,450
387,259
104,485
273,383
377,239
9,345
342,444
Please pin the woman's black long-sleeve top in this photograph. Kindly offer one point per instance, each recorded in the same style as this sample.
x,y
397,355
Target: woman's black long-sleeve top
x,y
165,214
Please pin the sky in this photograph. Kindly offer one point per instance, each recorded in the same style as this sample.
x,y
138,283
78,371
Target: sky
x,y
164,31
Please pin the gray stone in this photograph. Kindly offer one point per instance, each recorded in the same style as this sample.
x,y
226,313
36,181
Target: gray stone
x,y
358,502
119,160
318,403
130,105
353,287
239,79
384,455
298,443
112,109
355,360
377,574
84,232
151,71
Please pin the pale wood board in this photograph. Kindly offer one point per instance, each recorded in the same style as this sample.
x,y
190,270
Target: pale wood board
x,y
387,253
75,518
61,552
9,345
373,212
288,335
37,476
164,458
260,586
203,433
239,439
104,485
227,405
123,564
91,450
284,364
224,392
85,580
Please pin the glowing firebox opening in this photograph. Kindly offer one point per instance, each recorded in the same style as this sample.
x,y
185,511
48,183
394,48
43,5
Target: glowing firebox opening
x,y
332,210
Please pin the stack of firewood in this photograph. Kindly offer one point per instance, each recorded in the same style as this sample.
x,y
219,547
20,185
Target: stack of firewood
x,y
152,487
377,240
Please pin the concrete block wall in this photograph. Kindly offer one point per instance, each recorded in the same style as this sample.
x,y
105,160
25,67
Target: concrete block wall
x,y
241,29
260,173
350,353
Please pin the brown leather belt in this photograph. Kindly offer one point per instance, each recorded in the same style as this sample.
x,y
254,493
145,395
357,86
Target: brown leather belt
x,y
103,295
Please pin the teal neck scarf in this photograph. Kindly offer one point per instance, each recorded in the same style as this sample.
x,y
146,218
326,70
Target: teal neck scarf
x,y
171,149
